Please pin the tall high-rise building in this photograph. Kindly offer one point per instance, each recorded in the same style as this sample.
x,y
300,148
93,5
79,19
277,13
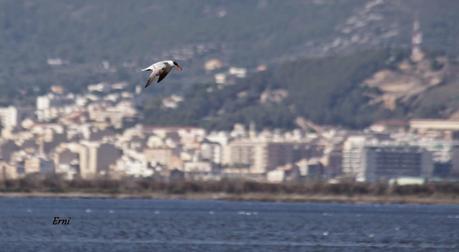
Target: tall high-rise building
x,y
278,154
259,156
9,117
211,152
38,165
373,160
241,153
352,157
7,171
96,158
387,162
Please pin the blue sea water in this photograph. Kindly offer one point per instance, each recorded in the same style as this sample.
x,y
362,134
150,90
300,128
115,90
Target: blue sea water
x,y
179,225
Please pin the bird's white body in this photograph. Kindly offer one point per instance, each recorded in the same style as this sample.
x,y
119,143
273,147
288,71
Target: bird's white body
x,y
165,64
160,70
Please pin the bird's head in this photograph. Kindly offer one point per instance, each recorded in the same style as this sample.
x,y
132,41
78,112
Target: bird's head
x,y
177,65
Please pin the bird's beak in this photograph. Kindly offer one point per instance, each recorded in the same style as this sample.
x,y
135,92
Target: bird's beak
x,y
179,67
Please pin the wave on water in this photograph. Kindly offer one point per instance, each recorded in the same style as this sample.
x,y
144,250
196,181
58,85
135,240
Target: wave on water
x,y
261,243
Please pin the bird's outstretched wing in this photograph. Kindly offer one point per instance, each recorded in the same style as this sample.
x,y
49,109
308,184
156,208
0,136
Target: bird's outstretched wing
x,y
151,78
162,75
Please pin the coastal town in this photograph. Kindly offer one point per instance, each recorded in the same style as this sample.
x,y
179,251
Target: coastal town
x,y
99,133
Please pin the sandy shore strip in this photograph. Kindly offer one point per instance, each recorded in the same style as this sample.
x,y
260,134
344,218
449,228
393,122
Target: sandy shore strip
x,y
383,199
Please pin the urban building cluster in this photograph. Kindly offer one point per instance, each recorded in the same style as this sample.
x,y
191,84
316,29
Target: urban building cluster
x,y
98,134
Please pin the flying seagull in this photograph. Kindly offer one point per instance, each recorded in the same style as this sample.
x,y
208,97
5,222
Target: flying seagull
x,y
160,70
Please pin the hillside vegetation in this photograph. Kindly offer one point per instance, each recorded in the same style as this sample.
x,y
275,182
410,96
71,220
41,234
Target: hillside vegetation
x,y
329,90
325,90
131,34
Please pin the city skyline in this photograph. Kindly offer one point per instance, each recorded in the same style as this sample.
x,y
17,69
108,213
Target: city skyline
x,y
98,133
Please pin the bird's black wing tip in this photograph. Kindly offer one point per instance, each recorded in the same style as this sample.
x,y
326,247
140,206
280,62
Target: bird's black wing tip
x,y
162,76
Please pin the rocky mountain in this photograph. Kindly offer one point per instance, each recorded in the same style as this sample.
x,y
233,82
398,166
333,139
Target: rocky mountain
x,y
351,90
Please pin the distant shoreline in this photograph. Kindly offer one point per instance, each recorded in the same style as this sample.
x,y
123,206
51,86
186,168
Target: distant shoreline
x,y
266,197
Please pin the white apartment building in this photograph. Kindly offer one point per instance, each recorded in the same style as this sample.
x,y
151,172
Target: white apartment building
x,y
352,157
9,117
